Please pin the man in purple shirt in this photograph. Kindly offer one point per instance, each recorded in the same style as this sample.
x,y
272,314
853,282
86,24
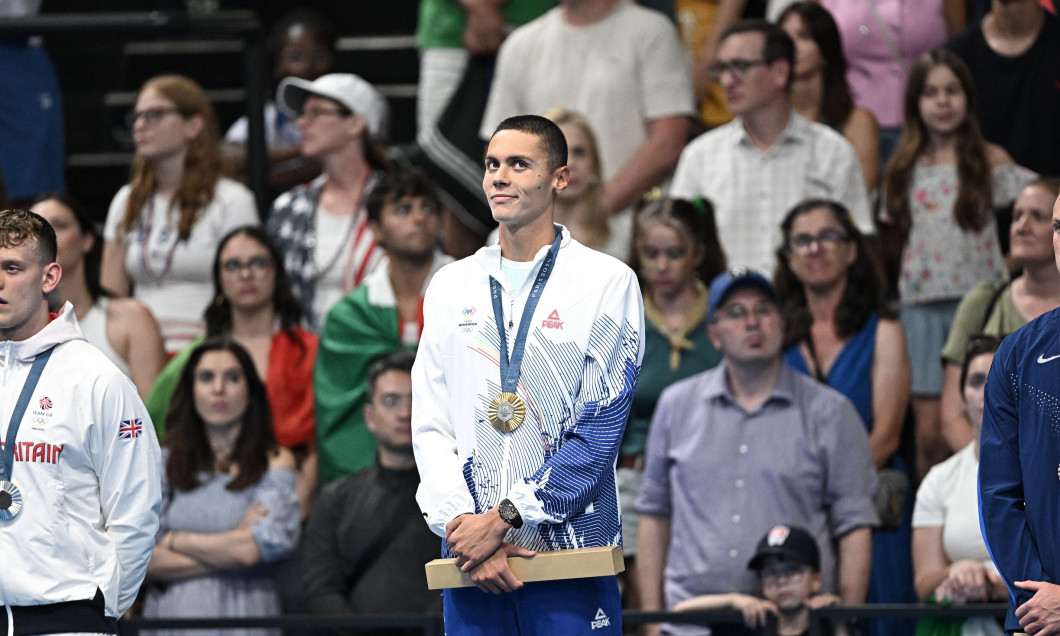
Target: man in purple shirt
x,y
742,447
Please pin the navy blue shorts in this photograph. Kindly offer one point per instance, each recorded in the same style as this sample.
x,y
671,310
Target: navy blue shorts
x,y
576,606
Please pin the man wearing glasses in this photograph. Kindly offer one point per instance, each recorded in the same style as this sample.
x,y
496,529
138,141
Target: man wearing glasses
x,y
769,158
736,448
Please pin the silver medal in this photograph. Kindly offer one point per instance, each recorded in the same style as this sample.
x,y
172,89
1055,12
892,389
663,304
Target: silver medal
x,y
10,500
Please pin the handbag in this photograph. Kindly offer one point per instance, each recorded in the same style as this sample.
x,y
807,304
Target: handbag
x,y
890,497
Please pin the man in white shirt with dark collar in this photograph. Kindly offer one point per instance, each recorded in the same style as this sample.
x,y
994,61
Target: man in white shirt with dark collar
x,y
760,165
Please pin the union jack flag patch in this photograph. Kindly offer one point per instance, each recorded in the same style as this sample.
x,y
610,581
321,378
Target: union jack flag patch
x,y
131,428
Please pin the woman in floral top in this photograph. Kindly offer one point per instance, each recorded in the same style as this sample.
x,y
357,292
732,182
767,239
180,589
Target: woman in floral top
x,y
941,188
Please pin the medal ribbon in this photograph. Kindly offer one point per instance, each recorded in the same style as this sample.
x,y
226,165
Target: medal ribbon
x,y
510,369
8,463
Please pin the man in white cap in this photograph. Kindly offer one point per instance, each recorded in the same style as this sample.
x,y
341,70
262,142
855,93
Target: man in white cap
x,y
321,228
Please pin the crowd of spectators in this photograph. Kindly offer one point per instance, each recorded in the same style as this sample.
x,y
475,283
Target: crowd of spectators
x,y
869,195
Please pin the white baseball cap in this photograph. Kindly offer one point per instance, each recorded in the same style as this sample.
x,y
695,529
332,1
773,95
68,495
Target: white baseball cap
x,y
351,91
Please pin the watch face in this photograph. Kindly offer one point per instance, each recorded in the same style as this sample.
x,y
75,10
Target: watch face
x,y
510,514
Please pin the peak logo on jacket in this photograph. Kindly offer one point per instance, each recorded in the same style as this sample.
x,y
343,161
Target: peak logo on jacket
x,y
553,321
37,452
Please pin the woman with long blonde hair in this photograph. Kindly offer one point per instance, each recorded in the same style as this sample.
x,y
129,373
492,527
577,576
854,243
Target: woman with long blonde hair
x,y
163,226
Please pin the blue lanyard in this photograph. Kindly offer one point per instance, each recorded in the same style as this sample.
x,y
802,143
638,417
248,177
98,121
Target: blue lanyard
x,y
20,409
510,369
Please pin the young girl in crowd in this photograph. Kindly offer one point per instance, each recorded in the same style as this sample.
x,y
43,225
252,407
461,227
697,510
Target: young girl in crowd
x,y
228,495
675,250
940,190
819,89
122,328
162,228
253,304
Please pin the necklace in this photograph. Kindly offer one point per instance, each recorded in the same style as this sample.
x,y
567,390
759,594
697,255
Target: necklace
x,y
164,235
316,273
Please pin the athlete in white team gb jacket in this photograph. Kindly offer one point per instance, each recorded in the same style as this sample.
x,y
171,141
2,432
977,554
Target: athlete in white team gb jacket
x,y
80,472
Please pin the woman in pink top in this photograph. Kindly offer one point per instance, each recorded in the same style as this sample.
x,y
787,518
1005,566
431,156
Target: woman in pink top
x,y
882,39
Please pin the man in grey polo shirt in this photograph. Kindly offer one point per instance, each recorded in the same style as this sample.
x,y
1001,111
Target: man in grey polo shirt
x,y
744,446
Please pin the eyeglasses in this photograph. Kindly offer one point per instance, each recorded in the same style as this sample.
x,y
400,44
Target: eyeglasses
x,y
151,116
651,253
825,238
737,67
761,311
313,113
256,265
783,576
394,400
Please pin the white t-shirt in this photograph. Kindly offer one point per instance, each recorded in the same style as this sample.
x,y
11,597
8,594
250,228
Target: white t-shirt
x,y
279,129
622,73
174,281
948,498
333,240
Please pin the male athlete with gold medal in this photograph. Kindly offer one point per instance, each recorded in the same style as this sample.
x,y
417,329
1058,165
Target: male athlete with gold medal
x,y
526,465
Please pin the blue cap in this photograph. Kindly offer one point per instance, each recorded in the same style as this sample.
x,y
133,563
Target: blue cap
x,y
733,279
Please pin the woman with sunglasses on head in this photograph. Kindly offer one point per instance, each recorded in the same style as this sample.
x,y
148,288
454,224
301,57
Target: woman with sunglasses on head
x,y
229,508
838,331
253,305
162,228
321,228
122,328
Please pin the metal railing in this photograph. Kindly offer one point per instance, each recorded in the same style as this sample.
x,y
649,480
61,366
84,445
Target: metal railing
x,y
432,625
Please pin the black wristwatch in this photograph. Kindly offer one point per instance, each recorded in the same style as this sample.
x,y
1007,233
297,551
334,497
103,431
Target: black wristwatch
x,y
510,514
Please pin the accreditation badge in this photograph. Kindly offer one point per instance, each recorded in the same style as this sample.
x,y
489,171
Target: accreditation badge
x,y
507,412
10,500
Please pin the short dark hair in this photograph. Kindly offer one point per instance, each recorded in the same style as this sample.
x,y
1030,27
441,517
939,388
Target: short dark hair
x,y
977,345
322,28
397,185
547,132
19,226
400,360
778,45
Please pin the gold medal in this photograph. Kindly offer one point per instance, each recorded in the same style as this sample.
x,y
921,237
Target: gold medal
x,y
507,412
